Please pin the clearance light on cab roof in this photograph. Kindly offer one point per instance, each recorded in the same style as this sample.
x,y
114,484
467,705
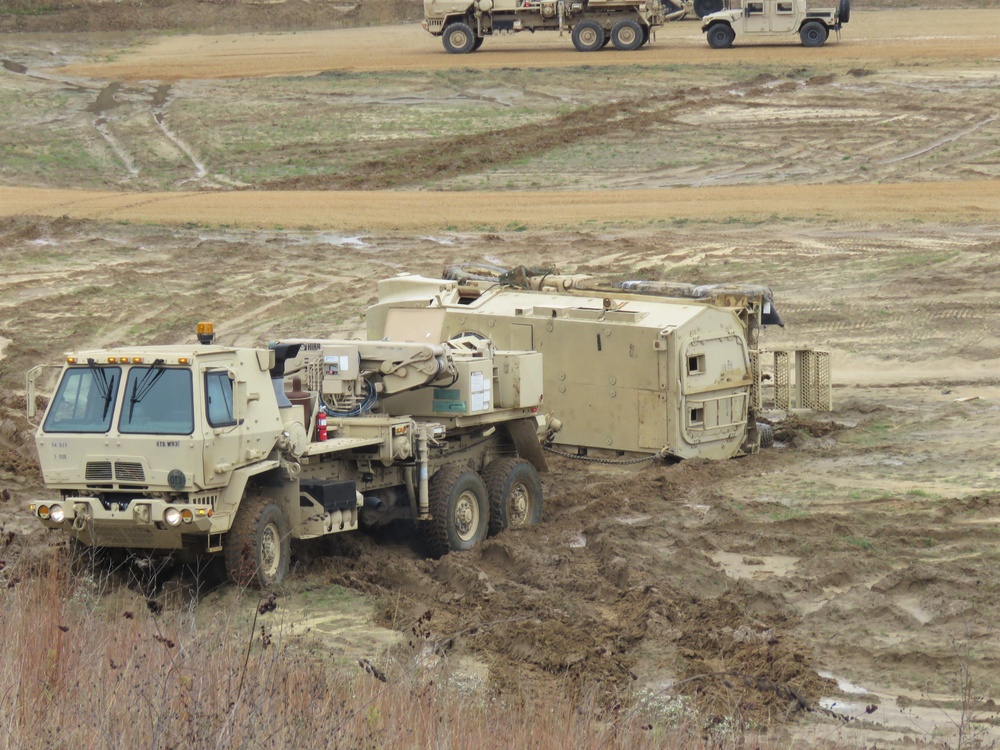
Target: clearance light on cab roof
x,y
183,361
136,360
71,360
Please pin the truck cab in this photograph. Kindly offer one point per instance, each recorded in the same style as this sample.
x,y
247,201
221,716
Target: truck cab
x,y
811,20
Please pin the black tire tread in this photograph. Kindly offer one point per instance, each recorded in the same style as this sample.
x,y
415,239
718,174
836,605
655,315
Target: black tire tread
x,y
239,548
495,475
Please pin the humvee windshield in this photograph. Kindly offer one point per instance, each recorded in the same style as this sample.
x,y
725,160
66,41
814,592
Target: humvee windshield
x,y
85,400
158,401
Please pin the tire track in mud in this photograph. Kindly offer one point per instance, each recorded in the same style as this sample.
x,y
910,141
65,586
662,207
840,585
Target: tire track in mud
x,y
134,101
474,153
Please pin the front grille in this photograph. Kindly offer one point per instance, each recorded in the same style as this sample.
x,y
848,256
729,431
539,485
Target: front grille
x,y
129,472
98,470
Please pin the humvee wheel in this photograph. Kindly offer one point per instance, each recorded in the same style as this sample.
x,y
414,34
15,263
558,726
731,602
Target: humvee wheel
x,y
813,34
460,511
704,8
721,36
458,38
626,35
588,36
844,11
258,547
478,43
515,491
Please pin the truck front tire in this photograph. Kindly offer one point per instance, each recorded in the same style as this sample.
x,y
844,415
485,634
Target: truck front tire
x,y
515,491
627,35
458,38
588,36
460,511
258,546
813,34
720,36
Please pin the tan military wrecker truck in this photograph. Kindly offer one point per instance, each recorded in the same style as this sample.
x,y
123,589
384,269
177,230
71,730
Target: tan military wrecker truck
x,y
811,20
204,449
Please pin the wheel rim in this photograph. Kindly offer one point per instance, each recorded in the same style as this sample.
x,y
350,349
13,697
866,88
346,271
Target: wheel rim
x,y
459,39
588,37
519,505
467,516
270,551
627,36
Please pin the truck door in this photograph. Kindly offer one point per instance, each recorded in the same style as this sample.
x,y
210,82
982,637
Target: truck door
x,y
223,432
715,387
783,16
755,16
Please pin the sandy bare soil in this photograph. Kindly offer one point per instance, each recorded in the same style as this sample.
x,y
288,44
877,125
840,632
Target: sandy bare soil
x,y
851,570
871,39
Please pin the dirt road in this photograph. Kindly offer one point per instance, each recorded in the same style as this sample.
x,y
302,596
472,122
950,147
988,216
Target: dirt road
x,y
966,202
873,40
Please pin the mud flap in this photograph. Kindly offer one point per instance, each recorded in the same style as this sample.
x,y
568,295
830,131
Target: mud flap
x,y
524,435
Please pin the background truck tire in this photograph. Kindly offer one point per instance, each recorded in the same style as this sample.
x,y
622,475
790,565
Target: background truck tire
x,y
458,38
588,36
813,34
720,36
258,547
515,491
627,35
460,511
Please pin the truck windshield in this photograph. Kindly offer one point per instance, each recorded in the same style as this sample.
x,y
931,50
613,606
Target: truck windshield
x,y
158,401
85,400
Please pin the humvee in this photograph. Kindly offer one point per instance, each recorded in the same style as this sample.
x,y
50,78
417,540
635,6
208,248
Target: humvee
x,y
811,21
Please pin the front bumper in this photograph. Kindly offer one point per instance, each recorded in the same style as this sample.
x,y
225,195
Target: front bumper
x,y
144,522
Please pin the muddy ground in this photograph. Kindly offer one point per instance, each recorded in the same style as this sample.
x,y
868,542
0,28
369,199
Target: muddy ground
x,y
852,568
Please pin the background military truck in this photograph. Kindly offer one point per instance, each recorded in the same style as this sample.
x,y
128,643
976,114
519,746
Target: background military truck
x,y
635,368
463,25
216,450
811,20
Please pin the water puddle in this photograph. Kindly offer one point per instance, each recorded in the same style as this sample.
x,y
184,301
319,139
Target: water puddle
x,y
105,101
14,67
738,565
902,715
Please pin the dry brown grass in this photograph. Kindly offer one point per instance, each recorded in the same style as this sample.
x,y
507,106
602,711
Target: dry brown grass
x,y
85,667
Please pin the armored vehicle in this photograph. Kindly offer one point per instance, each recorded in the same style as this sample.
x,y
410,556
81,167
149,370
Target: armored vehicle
x,y
812,20
633,368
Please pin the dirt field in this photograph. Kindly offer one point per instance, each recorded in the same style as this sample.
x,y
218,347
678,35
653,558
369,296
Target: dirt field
x,y
851,570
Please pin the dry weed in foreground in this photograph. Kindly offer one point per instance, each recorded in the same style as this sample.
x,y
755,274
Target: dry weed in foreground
x,y
76,671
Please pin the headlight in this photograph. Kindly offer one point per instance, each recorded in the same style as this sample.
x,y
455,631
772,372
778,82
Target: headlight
x,y
43,512
57,514
172,517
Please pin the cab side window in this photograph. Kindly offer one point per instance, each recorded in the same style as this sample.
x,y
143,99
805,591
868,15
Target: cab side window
x,y
755,8
219,399
784,7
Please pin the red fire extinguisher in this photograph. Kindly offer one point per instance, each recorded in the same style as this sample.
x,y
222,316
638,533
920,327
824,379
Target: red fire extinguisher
x,y
321,427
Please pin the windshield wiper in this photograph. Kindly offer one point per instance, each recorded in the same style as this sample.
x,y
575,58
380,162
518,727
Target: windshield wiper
x,y
141,388
104,387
